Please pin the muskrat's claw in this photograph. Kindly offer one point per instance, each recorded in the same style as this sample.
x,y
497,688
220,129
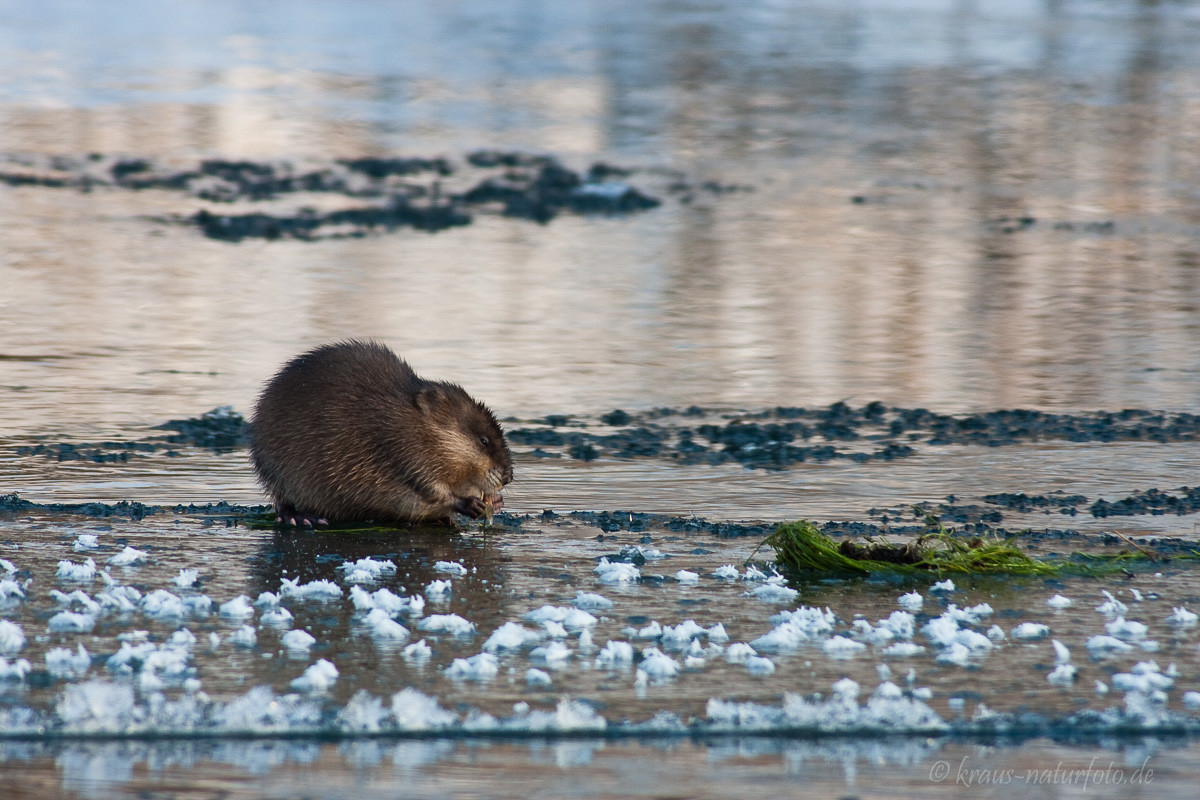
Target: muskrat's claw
x,y
291,518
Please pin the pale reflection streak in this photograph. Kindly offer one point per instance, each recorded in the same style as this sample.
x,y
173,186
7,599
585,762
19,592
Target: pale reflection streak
x,y
789,294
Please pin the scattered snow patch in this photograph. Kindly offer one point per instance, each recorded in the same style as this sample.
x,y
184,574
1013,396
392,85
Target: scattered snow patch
x,y
511,636
237,608
1111,606
536,677
417,651
86,541
319,590
452,624
317,678
62,662
617,572
842,647
774,593
71,622
298,640
590,601
436,590
244,636
186,577
367,570
1029,631
12,638
615,655
15,671
1179,616
657,665
70,571
382,627
129,557
481,667
1102,645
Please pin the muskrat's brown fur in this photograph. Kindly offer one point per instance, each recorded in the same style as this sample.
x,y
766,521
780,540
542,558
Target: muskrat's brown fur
x,y
348,432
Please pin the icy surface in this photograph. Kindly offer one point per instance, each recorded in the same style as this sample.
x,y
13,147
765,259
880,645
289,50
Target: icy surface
x,y
582,644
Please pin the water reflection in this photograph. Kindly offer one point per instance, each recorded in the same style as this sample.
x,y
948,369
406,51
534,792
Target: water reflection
x,y
949,128
431,767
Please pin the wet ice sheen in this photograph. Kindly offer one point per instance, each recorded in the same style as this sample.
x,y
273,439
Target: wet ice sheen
x,y
154,684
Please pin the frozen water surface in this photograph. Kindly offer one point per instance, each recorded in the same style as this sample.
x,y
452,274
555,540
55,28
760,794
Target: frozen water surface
x,y
957,207
657,649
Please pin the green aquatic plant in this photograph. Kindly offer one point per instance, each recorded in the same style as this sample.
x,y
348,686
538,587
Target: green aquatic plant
x,y
801,547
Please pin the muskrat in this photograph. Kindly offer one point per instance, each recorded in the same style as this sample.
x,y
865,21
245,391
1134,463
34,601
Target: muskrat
x,y
348,432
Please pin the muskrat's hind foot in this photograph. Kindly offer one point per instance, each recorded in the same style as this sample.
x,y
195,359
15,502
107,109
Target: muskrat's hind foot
x,y
290,517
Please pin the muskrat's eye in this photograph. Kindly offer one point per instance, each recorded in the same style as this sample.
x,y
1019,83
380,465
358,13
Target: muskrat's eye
x,y
483,440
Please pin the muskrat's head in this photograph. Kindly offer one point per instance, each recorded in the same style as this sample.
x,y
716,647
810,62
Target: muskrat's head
x,y
477,460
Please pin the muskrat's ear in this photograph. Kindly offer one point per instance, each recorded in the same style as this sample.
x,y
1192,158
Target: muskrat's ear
x,y
428,399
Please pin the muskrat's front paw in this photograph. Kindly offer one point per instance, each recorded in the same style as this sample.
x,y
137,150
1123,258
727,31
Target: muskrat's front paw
x,y
473,507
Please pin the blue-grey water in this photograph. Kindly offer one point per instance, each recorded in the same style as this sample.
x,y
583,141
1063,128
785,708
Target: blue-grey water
x,y
950,205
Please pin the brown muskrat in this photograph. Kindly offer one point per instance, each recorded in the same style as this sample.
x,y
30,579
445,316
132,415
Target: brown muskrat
x,y
348,432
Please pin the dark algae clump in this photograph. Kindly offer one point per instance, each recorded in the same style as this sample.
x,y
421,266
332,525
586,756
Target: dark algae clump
x,y
801,547
390,193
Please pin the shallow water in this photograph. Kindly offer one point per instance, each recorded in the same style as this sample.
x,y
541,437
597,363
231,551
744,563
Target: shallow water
x,y
954,207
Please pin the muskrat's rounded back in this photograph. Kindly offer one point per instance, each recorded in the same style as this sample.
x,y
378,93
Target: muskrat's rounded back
x,y
349,432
